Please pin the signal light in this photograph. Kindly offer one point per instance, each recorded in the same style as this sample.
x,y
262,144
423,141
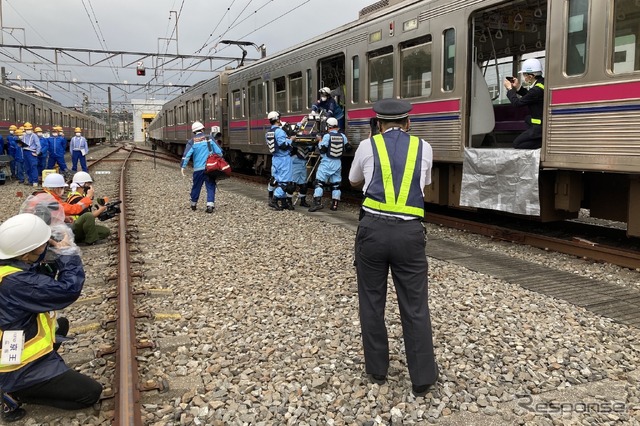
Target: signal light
x,y
140,69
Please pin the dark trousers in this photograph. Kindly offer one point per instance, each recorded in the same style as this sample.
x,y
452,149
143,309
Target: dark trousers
x,y
199,178
383,244
530,138
69,391
75,156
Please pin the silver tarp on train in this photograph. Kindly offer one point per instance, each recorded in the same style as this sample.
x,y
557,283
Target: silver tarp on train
x,y
501,179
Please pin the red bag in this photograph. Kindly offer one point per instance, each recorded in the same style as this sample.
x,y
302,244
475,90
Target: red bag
x,y
216,166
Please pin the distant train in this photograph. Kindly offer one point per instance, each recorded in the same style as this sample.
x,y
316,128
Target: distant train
x,y
449,59
18,107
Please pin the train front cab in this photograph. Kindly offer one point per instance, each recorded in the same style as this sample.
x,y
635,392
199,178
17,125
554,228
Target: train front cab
x,y
590,156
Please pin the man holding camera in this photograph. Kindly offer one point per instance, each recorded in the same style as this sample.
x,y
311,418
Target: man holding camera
x,y
85,229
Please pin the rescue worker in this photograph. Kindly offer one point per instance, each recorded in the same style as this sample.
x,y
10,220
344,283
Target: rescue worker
x,y
532,98
55,185
12,143
394,167
199,147
18,157
35,372
280,146
84,226
330,106
32,149
57,148
79,150
44,150
299,159
3,146
329,174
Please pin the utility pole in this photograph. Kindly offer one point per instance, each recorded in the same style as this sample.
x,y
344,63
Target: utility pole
x,y
1,32
109,116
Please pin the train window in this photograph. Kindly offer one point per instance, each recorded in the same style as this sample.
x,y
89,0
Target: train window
x,y
236,100
12,111
295,91
2,109
355,79
214,104
381,74
626,32
310,93
449,62
280,87
206,104
416,68
577,32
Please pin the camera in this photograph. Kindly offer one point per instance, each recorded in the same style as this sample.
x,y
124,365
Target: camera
x,y
511,79
113,208
290,130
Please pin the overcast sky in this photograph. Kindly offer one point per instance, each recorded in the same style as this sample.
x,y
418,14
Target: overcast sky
x,y
137,25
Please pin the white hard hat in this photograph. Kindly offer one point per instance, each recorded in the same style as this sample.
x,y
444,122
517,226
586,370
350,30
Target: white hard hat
x,y
81,178
21,234
54,180
325,90
273,115
196,126
531,66
332,122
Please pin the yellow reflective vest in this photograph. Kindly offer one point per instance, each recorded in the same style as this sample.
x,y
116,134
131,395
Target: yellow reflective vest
x,y
40,344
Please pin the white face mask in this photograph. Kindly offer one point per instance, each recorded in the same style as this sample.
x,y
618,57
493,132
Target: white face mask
x,y
77,134
54,134
323,98
39,133
29,132
10,131
20,137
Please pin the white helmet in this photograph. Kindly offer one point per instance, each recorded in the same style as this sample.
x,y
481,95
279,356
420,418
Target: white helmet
x,y
54,180
325,90
81,178
273,116
196,126
332,122
21,234
531,66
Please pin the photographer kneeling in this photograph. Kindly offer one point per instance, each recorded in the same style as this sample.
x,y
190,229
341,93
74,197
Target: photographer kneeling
x,y
85,229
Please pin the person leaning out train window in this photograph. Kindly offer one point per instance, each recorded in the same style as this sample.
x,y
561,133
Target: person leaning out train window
x,y
31,371
532,98
327,103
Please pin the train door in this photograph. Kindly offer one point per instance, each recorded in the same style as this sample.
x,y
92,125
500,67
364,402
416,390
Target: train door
x,y
503,37
256,116
331,74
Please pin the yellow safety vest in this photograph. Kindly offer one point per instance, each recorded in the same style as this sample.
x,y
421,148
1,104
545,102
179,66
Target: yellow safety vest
x,y
40,344
391,204
537,120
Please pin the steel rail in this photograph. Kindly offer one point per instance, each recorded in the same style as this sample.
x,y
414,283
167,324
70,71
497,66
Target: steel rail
x,y
127,405
580,248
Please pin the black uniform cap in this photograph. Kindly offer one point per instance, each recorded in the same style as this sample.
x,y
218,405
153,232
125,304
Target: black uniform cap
x,y
392,109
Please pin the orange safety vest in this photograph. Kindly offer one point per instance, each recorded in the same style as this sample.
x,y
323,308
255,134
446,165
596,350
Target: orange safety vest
x,y
40,344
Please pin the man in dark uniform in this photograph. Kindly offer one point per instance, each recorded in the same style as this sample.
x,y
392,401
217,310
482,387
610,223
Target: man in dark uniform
x,y
532,98
393,168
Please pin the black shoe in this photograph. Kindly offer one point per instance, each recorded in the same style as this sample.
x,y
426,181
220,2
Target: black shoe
x,y
209,209
334,205
378,379
422,390
63,327
193,208
11,411
303,202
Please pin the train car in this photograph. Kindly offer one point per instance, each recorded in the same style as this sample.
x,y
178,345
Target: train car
x,y
449,59
18,107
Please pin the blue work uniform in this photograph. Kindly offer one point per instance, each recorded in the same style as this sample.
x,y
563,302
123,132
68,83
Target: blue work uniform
x,y
329,173
31,149
44,152
199,147
57,148
280,146
77,145
332,109
299,165
18,159
12,144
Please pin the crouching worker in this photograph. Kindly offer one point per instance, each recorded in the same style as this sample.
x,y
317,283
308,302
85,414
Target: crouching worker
x,y
85,228
88,232
33,372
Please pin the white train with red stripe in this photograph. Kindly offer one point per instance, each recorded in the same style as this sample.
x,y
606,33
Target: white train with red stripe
x,y
449,59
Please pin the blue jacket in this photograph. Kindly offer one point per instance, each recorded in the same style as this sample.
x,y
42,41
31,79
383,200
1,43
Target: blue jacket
x,y
330,106
17,150
198,149
79,142
283,143
31,143
12,144
44,146
57,145
23,295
